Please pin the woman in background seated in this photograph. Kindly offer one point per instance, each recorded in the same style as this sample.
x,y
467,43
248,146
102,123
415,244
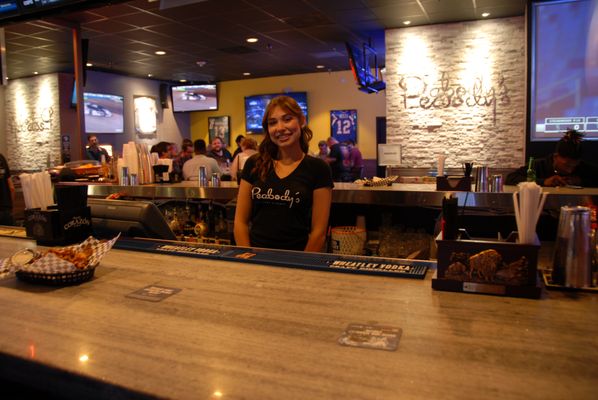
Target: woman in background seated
x,y
563,167
284,194
248,148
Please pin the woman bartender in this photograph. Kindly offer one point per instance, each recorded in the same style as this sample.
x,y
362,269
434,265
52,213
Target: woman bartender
x,y
284,195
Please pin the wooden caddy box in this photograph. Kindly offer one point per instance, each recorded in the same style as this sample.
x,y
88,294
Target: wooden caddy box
x,y
502,268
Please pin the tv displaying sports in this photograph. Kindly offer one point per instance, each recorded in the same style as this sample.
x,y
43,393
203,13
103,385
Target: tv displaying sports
x,y
359,61
564,69
255,106
103,113
194,97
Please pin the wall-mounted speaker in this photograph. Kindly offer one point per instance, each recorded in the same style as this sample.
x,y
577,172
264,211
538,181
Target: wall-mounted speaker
x,y
164,95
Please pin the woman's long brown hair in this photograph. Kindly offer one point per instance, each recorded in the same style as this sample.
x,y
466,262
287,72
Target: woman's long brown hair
x,y
268,150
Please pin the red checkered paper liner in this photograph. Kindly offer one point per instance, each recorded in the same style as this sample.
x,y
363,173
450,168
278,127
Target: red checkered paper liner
x,y
50,263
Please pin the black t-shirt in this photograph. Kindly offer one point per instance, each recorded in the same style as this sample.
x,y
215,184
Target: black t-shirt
x,y
281,208
5,196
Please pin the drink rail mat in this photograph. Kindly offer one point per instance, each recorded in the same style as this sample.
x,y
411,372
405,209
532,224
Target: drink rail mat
x,y
294,259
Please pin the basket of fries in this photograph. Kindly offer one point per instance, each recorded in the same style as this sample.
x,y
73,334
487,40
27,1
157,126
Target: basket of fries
x,y
61,266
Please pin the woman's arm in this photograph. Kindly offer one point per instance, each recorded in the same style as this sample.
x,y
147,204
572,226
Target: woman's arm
x,y
243,214
319,219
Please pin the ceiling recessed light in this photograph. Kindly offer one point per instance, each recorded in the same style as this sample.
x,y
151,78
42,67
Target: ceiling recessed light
x,y
246,73
182,80
486,14
35,73
251,39
406,22
149,75
160,52
320,66
89,65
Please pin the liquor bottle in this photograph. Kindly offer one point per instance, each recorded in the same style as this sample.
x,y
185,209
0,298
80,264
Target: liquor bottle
x,y
531,172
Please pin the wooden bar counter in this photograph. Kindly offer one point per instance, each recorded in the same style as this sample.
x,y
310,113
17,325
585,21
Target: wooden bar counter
x,y
243,331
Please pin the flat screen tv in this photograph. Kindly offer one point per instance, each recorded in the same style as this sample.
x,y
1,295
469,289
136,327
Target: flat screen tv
x,y
103,113
359,61
255,107
564,69
130,218
194,97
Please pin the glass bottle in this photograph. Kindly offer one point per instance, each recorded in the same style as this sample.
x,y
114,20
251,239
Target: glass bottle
x,y
531,171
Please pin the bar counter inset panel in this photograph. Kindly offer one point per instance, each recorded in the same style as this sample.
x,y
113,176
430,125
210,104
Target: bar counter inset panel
x,y
349,193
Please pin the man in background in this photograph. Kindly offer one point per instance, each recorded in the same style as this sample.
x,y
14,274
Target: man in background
x,y
191,167
238,141
221,155
335,160
7,193
355,160
185,155
94,151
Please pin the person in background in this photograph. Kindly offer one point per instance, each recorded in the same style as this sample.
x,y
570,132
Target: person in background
x,y
238,141
355,160
335,159
563,167
173,150
322,150
7,193
285,194
248,148
220,153
185,155
186,142
191,167
163,149
94,151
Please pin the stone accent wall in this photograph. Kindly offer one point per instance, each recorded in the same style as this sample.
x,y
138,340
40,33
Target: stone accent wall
x,y
32,122
458,89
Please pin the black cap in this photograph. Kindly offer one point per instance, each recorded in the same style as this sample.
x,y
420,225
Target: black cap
x,y
570,145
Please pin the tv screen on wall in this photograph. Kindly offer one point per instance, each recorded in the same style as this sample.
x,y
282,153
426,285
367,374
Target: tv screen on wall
x,y
104,113
194,97
255,106
564,69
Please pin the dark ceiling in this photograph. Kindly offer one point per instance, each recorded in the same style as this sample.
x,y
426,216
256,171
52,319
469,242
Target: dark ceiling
x,y
294,36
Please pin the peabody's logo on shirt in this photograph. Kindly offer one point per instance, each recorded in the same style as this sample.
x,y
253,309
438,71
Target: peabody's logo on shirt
x,y
286,198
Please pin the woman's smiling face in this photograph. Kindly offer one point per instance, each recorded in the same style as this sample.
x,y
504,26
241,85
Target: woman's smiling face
x,y
284,128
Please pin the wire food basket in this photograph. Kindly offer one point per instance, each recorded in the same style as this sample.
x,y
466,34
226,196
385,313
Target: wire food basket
x,y
348,240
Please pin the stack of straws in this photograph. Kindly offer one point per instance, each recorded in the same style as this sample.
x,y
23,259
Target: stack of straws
x,y
528,203
37,190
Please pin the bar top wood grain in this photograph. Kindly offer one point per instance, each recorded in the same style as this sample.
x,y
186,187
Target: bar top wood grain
x,y
243,331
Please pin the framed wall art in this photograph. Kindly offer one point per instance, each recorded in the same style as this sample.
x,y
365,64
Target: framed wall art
x,y
219,126
343,125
